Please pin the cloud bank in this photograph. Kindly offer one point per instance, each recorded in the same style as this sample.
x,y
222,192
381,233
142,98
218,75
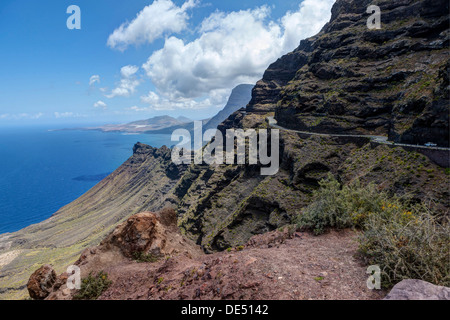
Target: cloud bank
x,y
229,49
154,21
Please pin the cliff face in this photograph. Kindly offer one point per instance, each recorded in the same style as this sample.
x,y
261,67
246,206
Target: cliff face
x,y
349,79
239,98
346,79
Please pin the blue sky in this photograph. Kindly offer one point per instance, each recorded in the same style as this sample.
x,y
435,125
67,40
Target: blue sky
x,y
137,59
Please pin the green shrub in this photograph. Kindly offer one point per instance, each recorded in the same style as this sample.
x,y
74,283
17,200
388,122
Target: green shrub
x,y
406,240
145,257
339,207
92,287
320,278
407,245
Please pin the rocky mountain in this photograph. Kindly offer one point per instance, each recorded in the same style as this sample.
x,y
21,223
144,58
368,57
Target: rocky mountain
x,y
392,81
140,126
349,79
184,119
239,98
159,121
226,206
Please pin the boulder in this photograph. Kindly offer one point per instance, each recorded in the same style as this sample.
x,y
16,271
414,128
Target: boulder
x,y
418,290
148,233
41,282
142,232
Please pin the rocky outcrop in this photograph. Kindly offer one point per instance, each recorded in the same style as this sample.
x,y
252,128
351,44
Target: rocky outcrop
x,y
349,79
266,268
41,282
148,235
418,290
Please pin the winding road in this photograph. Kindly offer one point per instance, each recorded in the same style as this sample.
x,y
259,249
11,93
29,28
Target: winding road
x,y
379,139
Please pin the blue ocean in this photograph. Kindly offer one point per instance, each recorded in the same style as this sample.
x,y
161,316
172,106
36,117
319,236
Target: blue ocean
x,y
43,170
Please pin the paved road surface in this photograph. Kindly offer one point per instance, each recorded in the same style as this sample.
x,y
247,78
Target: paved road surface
x,y
380,139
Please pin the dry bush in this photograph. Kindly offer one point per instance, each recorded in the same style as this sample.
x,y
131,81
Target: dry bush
x,y
406,240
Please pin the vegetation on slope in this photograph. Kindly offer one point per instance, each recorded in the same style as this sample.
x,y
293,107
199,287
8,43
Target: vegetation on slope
x,y
407,240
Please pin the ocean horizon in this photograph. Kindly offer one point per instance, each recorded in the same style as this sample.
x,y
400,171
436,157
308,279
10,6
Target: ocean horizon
x,y
42,170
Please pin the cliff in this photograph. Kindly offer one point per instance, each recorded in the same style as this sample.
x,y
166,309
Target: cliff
x,y
349,79
239,98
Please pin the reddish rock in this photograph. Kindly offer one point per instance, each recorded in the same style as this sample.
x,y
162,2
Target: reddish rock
x,y
142,232
41,282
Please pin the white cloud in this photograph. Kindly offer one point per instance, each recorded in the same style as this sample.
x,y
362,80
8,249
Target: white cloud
x,y
128,71
59,115
63,114
20,116
307,21
217,98
95,78
31,116
232,48
137,109
128,82
100,104
154,21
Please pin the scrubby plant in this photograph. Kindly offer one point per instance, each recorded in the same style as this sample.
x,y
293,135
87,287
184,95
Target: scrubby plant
x,y
145,257
339,206
93,286
407,243
406,240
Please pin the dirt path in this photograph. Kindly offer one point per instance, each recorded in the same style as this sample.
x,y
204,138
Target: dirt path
x,y
304,267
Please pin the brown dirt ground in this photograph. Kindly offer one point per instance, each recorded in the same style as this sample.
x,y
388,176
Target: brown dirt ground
x,y
269,267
